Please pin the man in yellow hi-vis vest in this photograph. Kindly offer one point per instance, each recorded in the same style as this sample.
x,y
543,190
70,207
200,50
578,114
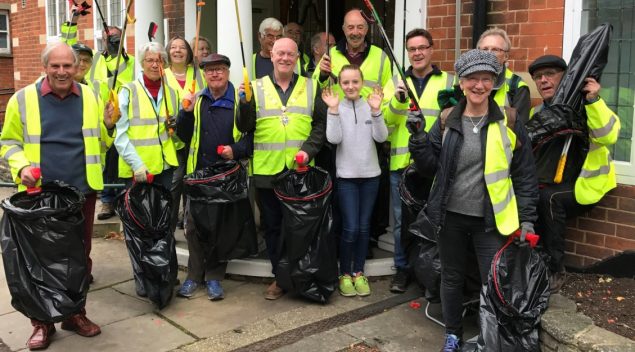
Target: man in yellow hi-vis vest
x,y
289,123
425,80
509,90
65,128
589,172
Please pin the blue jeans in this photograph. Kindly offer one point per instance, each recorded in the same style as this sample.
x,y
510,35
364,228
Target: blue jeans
x,y
401,262
357,198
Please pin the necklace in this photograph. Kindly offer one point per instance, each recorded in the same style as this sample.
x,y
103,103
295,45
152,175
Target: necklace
x,y
476,129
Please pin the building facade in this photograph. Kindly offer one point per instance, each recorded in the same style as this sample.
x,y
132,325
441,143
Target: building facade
x,y
535,27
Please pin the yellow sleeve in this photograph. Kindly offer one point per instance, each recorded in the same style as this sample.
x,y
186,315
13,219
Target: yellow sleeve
x,y
604,124
12,140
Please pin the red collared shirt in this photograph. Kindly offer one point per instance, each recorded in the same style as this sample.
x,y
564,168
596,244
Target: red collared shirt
x,y
45,89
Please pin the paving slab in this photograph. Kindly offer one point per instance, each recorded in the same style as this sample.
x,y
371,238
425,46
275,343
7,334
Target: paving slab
x,y
111,263
144,333
15,329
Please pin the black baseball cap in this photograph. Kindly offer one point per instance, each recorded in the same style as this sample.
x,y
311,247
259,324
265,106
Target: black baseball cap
x,y
547,61
81,48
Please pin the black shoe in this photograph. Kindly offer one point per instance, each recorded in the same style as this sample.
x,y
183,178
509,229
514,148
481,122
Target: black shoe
x,y
107,211
400,280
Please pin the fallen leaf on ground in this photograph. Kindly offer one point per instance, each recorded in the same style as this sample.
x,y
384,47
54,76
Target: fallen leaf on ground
x,y
619,298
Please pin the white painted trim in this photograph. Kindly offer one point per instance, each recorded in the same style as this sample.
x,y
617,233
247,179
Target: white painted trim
x,y
189,18
416,16
7,50
572,25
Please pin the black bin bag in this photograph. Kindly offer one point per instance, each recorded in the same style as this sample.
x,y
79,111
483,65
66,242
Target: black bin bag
x,y
219,206
145,210
43,252
565,114
308,260
512,302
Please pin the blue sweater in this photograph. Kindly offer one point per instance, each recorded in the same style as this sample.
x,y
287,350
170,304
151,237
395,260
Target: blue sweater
x,y
216,128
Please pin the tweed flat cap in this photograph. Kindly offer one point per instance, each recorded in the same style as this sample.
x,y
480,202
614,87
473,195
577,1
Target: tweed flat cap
x,y
215,59
477,60
547,61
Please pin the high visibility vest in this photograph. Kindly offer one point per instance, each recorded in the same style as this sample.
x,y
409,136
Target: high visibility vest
x,y
376,69
280,130
396,114
22,129
502,97
100,68
499,146
189,77
196,135
147,130
68,33
597,176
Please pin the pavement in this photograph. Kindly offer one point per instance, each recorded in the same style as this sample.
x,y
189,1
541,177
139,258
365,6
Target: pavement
x,y
243,321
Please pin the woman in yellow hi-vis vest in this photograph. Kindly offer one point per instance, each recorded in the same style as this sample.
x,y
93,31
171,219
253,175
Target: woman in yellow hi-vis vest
x,y
484,181
148,114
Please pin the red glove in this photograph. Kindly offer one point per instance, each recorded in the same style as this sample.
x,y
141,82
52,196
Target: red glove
x,y
301,158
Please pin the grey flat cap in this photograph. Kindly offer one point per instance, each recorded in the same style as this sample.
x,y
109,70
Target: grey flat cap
x,y
477,60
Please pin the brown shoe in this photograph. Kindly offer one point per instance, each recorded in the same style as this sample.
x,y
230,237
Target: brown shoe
x,y
273,292
41,337
81,325
107,211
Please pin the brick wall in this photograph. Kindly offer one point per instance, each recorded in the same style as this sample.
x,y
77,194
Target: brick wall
x,y
534,27
606,230
6,84
173,10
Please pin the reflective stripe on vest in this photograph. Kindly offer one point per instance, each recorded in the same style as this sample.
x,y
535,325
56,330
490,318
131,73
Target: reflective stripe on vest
x,y
399,136
498,158
280,130
147,131
29,111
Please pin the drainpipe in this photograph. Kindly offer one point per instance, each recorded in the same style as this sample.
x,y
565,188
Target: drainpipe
x,y
457,30
479,23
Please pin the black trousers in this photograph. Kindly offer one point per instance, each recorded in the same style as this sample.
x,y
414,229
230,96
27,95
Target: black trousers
x,y
200,268
271,211
557,203
454,241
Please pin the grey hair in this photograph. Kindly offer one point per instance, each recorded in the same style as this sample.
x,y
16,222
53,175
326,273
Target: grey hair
x,y
270,23
54,45
152,47
495,31
316,39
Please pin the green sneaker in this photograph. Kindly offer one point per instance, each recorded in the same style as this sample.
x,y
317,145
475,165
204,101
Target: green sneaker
x,y
361,284
346,286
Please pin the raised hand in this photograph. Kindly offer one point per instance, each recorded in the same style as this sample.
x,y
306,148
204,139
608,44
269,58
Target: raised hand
x,y
331,99
375,98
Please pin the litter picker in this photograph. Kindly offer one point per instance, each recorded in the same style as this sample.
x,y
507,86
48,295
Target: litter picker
x,y
101,15
563,160
199,7
242,51
114,99
391,52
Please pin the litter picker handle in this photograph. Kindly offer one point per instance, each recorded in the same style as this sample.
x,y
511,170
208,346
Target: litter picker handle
x,y
563,160
36,173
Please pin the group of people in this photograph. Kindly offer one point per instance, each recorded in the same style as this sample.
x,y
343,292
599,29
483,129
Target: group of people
x,y
485,182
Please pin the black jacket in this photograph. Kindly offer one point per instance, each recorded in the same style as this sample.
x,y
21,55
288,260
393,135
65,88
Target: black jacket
x,y
435,157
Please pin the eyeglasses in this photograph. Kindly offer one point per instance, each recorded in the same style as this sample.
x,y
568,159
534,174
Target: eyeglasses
x,y
219,69
421,48
291,54
152,62
549,73
270,36
484,80
496,51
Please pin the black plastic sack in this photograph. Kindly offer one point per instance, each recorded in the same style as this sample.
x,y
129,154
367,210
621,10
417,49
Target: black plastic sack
x,y
565,114
145,211
220,209
43,252
308,260
512,302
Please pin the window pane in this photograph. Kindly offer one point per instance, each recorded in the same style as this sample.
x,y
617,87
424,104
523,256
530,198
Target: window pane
x,y
61,15
618,78
52,17
4,41
3,22
115,13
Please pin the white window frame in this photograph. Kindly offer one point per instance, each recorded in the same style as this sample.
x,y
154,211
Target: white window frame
x,y
107,11
46,11
625,171
6,50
